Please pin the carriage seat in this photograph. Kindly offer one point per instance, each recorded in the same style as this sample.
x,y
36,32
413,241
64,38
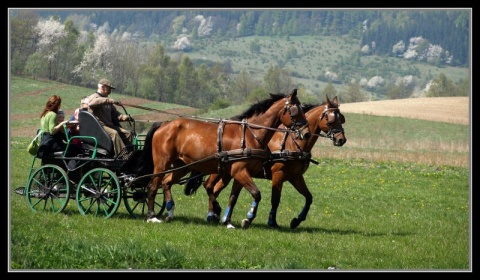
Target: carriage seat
x,y
90,126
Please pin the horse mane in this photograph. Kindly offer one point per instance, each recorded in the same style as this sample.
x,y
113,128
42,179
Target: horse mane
x,y
259,107
307,107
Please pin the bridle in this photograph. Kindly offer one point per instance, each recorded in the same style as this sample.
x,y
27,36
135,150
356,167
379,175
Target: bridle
x,y
331,115
293,110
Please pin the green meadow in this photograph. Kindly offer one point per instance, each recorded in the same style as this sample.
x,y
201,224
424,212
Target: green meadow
x,y
403,210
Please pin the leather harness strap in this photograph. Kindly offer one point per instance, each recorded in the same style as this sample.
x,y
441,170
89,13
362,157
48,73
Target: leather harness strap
x,y
238,154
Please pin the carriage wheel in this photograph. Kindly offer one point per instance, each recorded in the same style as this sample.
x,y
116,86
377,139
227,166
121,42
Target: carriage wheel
x,y
48,189
135,201
98,193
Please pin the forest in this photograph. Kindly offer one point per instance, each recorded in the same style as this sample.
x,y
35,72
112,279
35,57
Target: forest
x,y
151,54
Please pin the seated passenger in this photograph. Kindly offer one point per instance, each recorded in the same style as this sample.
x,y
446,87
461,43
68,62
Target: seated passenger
x,y
109,117
53,131
61,119
74,130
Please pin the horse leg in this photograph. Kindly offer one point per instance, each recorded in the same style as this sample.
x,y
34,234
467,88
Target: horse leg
x,y
152,193
301,187
167,183
243,179
275,201
232,201
170,204
213,186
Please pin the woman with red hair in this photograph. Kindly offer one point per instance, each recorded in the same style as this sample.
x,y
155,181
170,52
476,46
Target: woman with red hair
x,y
53,131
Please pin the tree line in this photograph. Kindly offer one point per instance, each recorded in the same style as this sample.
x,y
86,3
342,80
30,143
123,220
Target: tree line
x,y
50,48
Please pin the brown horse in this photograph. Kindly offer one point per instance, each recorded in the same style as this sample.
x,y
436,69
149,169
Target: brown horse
x,y
288,162
175,148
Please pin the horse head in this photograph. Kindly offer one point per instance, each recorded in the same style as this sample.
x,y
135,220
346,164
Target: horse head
x,y
331,121
295,120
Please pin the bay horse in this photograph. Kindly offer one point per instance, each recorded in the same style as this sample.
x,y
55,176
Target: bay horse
x,y
175,148
288,162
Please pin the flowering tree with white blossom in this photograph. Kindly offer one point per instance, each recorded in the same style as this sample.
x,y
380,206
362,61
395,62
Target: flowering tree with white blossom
x,y
49,33
97,61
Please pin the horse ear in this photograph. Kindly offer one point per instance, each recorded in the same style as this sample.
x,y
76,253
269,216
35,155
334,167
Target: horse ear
x,y
293,93
335,101
328,101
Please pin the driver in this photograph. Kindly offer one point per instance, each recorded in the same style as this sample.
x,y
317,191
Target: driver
x,y
109,117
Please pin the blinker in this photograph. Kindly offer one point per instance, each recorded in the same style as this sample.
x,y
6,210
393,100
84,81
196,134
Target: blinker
x,y
294,111
333,116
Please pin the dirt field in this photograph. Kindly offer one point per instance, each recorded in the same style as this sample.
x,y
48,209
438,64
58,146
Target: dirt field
x,y
443,109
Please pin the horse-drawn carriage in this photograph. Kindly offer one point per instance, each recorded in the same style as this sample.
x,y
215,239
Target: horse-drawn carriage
x,y
237,148
93,177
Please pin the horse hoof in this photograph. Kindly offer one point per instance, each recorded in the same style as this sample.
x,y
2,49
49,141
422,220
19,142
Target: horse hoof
x,y
245,223
230,226
213,219
273,225
168,219
294,223
154,220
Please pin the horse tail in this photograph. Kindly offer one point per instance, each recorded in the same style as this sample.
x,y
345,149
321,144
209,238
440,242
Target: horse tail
x,y
194,182
147,162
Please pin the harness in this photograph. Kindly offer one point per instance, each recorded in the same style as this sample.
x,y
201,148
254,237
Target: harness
x,y
247,153
242,153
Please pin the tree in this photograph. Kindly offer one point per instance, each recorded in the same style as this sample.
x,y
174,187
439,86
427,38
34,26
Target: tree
x,y
49,33
70,53
177,24
243,85
257,95
354,94
277,80
22,39
329,90
186,93
36,66
97,61
441,86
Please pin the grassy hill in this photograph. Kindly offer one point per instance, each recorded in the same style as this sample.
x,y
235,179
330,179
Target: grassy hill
x,y
314,56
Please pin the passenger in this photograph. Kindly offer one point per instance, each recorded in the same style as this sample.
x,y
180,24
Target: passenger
x,y
60,119
60,116
83,106
53,131
103,108
74,128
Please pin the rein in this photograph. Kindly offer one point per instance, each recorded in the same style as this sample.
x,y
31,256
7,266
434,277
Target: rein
x,y
212,120
150,109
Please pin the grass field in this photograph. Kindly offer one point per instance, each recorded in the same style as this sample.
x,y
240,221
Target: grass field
x,y
395,197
